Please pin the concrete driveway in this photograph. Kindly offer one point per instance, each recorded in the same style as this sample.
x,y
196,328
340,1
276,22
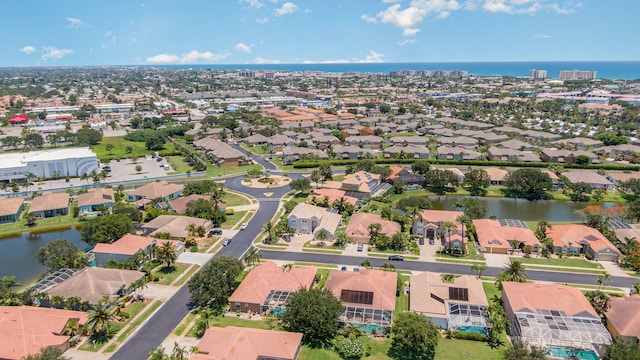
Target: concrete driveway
x,y
194,258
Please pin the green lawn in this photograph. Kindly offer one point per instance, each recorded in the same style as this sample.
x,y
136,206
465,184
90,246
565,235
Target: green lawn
x,y
455,349
257,149
379,349
458,261
232,220
573,262
277,161
232,320
178,164
185,322
402,300
187,276
168,275
491,290
119,149
215,171
42,225
233,199
134,324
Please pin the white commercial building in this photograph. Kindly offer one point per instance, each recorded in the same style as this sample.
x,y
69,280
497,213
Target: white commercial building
x,y
48,163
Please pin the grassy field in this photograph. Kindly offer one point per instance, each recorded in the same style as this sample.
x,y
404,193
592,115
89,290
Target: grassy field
x,y
169,274
455,349
572,262
119,149
42,225
215,171
178,164
232,220
257,149
233,199
491,290
277,161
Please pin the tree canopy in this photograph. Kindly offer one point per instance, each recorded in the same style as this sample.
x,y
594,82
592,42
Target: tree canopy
x,y
476,181
530,184
441,181
106,228
414,337
61,254
212,287
314,313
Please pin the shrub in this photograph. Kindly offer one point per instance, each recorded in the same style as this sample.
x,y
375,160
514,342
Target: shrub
x,y
469,336
194,248
229,211
350,348
588,256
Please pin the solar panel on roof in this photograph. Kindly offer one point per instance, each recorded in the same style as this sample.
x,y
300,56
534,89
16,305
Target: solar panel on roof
x,y
358,178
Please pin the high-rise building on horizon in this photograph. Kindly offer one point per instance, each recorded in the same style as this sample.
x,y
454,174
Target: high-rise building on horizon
x,y
577,75
538,74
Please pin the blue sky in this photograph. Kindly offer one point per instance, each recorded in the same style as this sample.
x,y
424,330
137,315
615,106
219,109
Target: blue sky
x,y
125,32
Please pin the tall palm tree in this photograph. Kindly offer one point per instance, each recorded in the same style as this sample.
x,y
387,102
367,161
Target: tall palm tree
x,y
340,204
447,226
463,220
167,253
374,229
98,319
268,228
158,354
514,271
252,256
630,247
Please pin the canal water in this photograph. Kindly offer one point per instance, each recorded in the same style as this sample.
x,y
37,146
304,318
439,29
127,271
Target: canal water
x,y
505,208
18,253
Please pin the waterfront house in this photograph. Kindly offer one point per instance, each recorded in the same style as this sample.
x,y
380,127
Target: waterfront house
x,y
127,246
95,201
581,239
50,205
592,178
176,226
155,190
10,209
428,224
497,237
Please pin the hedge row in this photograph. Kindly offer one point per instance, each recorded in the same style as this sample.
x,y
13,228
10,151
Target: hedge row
x,y
305,164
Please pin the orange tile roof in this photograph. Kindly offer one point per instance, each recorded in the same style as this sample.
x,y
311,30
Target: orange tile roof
x,y
26,329
564,234
96,197
381,283
359,224
129,244
180,204
624,315
529,297
491,234
10,206
435,216
427,283
257,285
235,343
332,195
157,189
50,202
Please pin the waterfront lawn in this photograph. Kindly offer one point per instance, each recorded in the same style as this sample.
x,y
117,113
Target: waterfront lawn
x,y
572,262
42,225
119,144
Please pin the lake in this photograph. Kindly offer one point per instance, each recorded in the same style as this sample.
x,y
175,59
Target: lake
x,y
506,208
18,253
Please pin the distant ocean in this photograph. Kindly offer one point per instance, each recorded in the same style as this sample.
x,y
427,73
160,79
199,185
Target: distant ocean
x,y
622,70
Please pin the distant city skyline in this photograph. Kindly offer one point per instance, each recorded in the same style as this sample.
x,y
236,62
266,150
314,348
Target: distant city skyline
x,y
119,32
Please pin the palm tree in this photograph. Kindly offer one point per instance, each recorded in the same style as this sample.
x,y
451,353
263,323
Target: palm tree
x,y
479,268
463,220
98,319
514,271
268,228
322,235
158,354
448,226
167,253
340,205
629,247
72,327
448,278
191,229
252,256
602,279
374,229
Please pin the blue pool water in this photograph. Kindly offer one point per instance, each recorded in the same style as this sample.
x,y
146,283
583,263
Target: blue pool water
x,y
472,330
278,311
564,352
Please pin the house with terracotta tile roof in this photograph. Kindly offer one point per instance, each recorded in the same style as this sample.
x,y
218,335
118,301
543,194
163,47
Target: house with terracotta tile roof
x,y
311,219
358,228
24,330
552,315
267,287
175,225
127,246
623,319
361,181
398,173
458,305
10,209
368,297
331,195
495,237
50,205
239,343
179,205
155,190
581,239
428,223
94,201
91,284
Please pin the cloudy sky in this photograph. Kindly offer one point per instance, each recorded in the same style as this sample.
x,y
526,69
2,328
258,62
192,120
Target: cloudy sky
x,y
125,32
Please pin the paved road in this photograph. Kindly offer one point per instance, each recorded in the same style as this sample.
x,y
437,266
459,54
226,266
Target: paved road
x,y
559,277
160,325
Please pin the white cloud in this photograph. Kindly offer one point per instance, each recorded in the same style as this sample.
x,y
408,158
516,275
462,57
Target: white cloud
x,y
526,6
337,61
74,23
369,19
192,57
407,42
53,53
28,50
443,15
541,36
112,40
372,57
243,47
262,20
254,3
410,32
261,60
287,8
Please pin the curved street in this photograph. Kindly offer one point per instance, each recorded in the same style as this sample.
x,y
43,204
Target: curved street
x,y
162,323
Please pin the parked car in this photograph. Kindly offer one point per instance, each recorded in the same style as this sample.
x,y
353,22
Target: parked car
x,y
159,159
421,241
360,247
226,242
431,241
396,258
215,232
106,168
243,226
286,237
344,268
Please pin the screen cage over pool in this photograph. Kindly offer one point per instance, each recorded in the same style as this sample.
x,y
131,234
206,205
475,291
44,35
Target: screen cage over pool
x,y
367,317
464,315
274,301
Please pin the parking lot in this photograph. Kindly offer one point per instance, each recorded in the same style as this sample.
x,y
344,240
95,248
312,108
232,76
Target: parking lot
x,y
125,169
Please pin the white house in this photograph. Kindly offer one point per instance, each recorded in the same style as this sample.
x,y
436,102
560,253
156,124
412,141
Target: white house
x,y
48,163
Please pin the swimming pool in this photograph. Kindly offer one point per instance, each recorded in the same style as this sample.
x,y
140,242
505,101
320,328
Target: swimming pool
x,y
277,311
473,329
563,352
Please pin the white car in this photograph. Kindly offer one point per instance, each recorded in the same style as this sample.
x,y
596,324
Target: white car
x,y
243,226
